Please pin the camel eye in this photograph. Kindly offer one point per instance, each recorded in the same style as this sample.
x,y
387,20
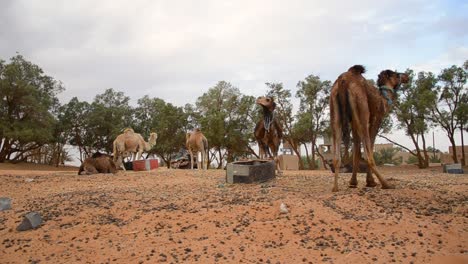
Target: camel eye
x,y
268,99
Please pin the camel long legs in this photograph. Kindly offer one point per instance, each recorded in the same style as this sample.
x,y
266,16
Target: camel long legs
x,y
337,134
360,125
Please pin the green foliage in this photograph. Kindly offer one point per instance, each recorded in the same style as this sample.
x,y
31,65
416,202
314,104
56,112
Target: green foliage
x,y
167,120
226,118
412,160
450,112
28,103
312,118
109,114
386,156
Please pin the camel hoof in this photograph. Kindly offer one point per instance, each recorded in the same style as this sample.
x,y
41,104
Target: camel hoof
x,y
371,184
352,185
335,189
388,186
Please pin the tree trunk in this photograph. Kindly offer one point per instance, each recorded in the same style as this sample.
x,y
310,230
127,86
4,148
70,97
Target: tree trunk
x,y
294,146
454,148
463,162
220,164
253,152
5,150
312,166
426,156
307,155
324,162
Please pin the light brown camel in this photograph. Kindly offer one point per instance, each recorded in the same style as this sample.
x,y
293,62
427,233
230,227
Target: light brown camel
x,y
197,142
98,163
358,106
268,131
131,143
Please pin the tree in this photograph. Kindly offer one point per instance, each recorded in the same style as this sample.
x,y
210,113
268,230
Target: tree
x,y
386,156
226,119
451,103
167,120
74,117
27,101
314,96
109,114
413,111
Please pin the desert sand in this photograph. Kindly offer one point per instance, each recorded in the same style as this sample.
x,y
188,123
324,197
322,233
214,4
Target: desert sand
x,y
183,216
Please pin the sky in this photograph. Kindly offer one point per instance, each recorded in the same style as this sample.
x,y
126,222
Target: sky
x,y
176,50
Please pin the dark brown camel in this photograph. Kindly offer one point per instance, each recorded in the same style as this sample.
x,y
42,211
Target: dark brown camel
x,y
358,106
98,163
268,131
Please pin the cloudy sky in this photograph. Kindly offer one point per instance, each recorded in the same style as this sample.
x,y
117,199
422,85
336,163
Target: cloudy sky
x,y
176,50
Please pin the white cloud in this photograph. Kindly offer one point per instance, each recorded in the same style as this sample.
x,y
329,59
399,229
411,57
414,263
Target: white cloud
x,y
176,50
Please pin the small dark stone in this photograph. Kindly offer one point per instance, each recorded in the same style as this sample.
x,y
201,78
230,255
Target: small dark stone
x,y
31,220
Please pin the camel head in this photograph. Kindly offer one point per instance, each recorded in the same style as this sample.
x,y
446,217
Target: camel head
x,y
152,139
392,79
266,102
128,130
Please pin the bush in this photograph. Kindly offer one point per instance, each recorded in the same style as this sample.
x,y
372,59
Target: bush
x,y
386,156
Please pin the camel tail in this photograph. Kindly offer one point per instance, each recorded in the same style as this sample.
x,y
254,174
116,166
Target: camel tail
x,y
205,145
357,69
345,113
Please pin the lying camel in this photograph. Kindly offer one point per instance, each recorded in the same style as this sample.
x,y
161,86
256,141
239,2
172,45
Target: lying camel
x,y
97,163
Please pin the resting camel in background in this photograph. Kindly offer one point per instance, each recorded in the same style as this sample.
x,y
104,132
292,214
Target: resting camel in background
x,y
97,163
358,106
268,131
197,142
131,143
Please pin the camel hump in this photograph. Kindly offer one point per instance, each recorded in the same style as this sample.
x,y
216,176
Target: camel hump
x,y
357,69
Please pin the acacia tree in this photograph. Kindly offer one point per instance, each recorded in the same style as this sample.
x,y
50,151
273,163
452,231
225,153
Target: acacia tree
x,y
27,101
224,115
109,114
167,120
451,101
73,117
314,96
413,111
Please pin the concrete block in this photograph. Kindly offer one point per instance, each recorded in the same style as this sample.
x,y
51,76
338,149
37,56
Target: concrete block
x,y
31,220
455,168
250,171
5,203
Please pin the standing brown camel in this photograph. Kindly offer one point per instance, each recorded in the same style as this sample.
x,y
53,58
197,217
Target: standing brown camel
x,y
131,143
268,131
197,142
358,106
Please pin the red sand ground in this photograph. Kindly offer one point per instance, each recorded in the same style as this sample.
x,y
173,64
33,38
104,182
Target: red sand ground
x,y
181,216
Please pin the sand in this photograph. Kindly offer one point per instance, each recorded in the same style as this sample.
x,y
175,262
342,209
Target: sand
x,y
183,216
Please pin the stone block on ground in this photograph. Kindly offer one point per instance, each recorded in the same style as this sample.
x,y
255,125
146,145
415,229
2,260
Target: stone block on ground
x,y
455,168
31,220
5,203
250,171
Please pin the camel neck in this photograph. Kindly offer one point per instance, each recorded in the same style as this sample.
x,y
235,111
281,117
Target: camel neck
x,y
268,117
387,93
